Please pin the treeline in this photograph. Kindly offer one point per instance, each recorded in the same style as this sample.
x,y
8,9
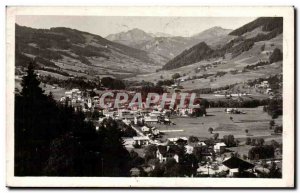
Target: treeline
x,y
274,107
83,84
212,90
267,23
238,104
70,83
258,64
261,152
56,71
145,87
54,140
89,51
167,82
112,83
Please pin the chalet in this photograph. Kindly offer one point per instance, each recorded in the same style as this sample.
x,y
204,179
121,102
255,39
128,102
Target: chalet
x,y
145,129
155,131
185,111
191,146
219,147
237,165
232,111
135,172
263,84
74,94
268,90
175,139
174,86
164,153
109,113
68,94
207,156
151,120
141,140
96,99
138,120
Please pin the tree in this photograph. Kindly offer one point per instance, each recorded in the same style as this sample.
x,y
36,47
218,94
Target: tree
x,y
274,171
172,168
260,141
262,48
95,115
261,152
30,84
272,123
210,130
150,152
216,136
229,140
188,165
175,76
248,141
65,157
275,56
53,139
253,142
158,171
193,139
136,160
37,122
278,129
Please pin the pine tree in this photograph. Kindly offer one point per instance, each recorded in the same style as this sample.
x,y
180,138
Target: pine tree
x,y
276,56
30,84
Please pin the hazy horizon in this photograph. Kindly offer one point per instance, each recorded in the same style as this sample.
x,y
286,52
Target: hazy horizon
x,y
106,25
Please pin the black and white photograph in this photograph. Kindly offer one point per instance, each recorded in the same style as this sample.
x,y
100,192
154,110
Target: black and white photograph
x,y
150,97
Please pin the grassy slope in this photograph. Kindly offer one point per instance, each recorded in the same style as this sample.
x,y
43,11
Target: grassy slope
x,y
249,57
69,46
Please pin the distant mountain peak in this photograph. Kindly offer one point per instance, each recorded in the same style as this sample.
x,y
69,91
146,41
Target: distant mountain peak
x,y
131,37
214,31
135,30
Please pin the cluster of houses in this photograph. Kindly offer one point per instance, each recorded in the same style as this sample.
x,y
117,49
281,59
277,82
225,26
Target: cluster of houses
x,y
145,122
265,86
81,100
213,159
74,98
233,111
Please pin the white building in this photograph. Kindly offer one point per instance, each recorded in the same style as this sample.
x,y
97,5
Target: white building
x,y
145,129
164,153
219,147
141,140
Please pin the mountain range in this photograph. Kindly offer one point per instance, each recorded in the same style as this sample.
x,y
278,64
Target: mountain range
x,y
136,55
236,43
79,53
166,45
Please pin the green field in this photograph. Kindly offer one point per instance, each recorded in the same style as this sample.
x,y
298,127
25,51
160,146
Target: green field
x,y
255,120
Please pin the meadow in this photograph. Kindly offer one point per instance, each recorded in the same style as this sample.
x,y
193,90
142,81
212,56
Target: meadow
x,y
255,121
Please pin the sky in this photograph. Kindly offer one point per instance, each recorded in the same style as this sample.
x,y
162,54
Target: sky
x,y
105,25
